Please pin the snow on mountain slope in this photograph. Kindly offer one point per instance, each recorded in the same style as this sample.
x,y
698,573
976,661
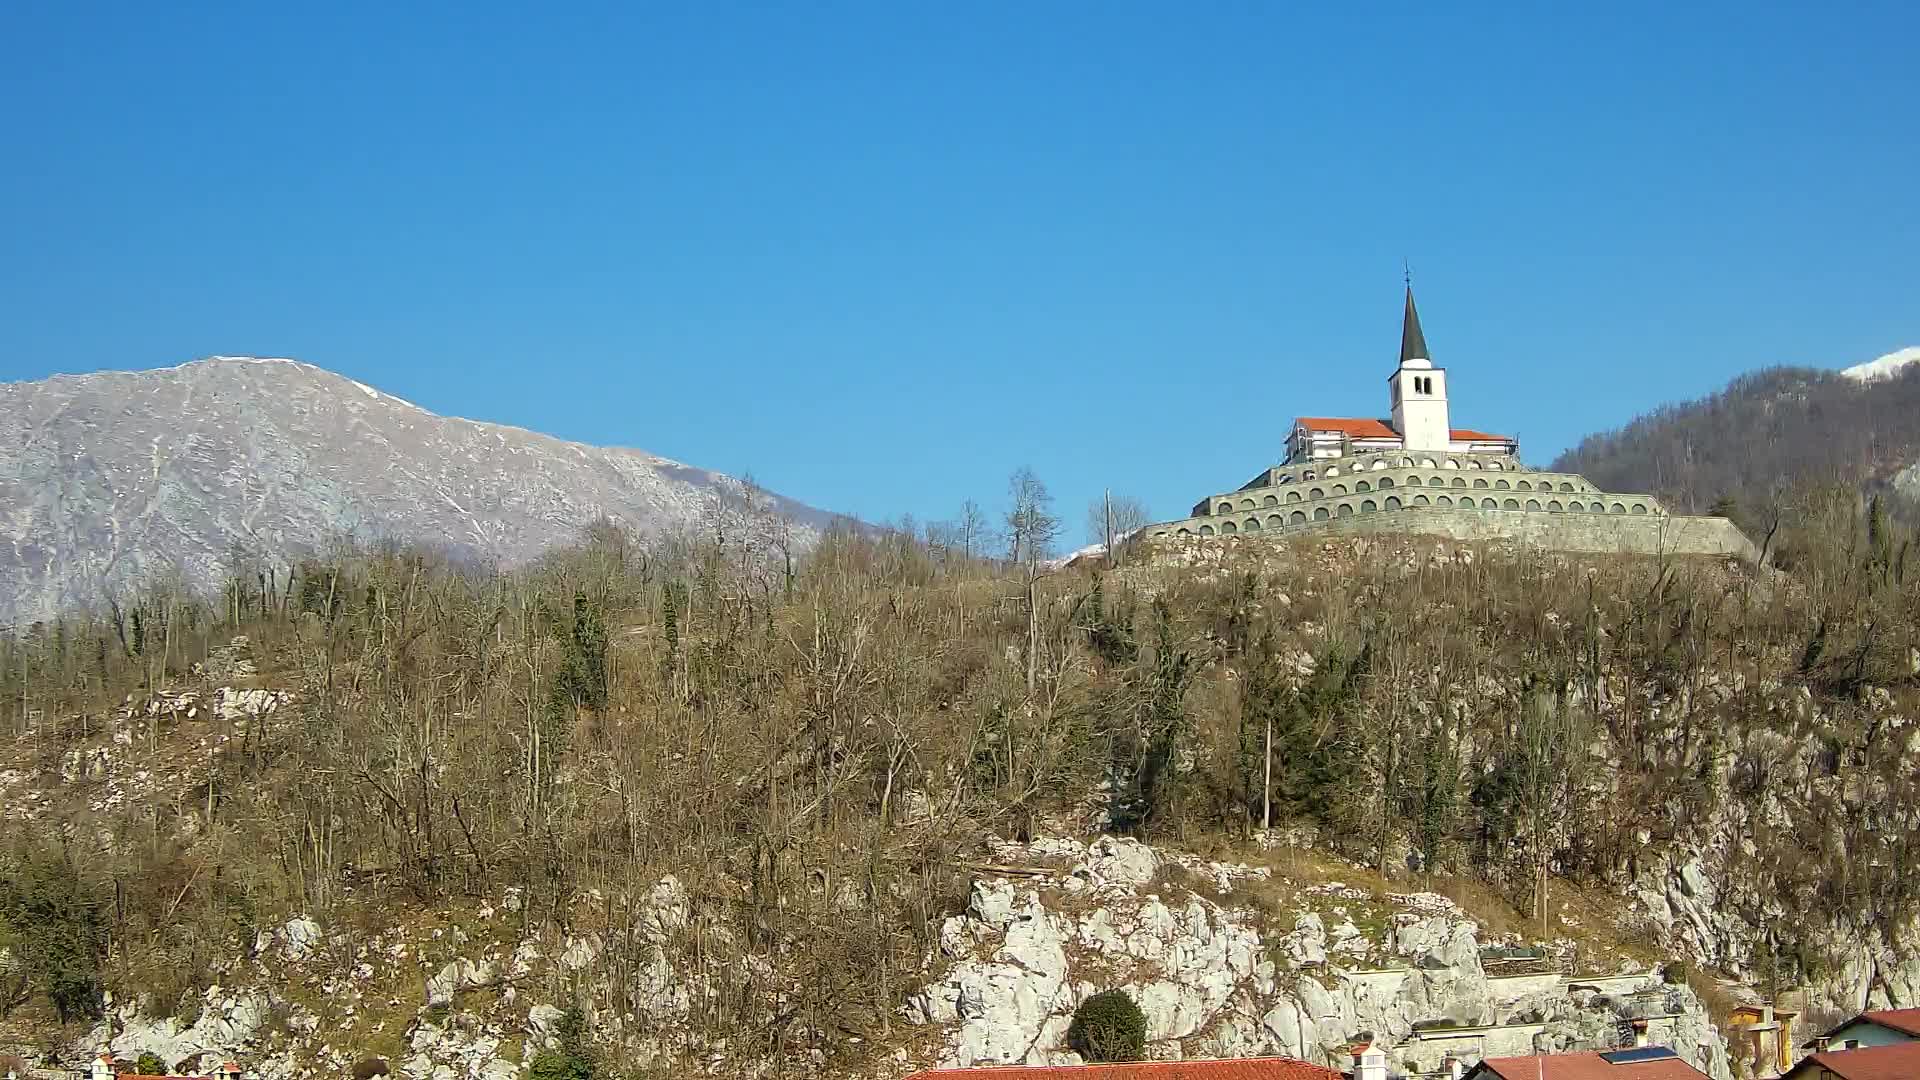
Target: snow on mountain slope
x,y
1886,367
115,479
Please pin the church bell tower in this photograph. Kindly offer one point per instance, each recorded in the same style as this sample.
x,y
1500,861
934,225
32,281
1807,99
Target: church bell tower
x,y
1419,390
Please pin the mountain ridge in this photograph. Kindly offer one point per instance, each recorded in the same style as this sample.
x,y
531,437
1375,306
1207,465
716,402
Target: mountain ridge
x,y
113,480
1766,432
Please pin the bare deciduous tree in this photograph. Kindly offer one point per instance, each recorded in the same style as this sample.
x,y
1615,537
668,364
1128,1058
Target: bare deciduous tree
x,y
1032,529
1112,518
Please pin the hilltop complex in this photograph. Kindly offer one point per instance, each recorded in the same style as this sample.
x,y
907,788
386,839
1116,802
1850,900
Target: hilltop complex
x,y
1413,472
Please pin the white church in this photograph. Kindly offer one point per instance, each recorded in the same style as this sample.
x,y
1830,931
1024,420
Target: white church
x,y
1419,419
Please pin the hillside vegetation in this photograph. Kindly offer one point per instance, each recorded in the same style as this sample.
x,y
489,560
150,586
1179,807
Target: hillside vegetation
x,y
813,751
1768,434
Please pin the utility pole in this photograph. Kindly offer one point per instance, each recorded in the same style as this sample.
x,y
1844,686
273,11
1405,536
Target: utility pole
x,y
1266,781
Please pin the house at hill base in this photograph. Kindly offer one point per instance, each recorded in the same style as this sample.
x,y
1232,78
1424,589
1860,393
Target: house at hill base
x,y
1639,1063
1888,1061
1267,1068
1878,1027
108,1067
1413,472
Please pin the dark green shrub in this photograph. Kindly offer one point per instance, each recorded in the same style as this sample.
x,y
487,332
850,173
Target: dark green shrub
x,y
150,1064
1109,1027
574,1059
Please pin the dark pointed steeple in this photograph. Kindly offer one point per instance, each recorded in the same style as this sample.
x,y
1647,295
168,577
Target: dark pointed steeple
x,y
1413,343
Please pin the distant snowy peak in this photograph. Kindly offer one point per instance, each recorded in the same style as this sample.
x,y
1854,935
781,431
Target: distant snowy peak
x,y
1886,367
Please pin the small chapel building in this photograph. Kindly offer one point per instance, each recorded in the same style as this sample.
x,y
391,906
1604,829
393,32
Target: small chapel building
x,y
1412,471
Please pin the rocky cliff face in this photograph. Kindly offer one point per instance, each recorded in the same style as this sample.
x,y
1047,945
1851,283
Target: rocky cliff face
x,y
1218,973
1221,977
1734,886
114,481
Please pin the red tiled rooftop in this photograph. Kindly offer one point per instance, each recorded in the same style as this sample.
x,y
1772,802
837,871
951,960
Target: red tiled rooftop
x,y
1369,428
1358,428
1224,1069
1900,1061
1586,1066
1905,1021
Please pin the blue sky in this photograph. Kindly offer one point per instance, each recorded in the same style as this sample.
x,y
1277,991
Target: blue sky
x,y
879,255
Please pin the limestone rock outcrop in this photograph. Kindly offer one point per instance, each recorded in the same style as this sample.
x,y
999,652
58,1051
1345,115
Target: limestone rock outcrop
x,y
1220,978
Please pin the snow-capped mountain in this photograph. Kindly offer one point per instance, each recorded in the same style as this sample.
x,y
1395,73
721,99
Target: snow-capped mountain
x,y
112,480
1886,367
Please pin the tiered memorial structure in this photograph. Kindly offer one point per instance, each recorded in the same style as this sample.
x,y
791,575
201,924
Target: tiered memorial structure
x,y
1413,472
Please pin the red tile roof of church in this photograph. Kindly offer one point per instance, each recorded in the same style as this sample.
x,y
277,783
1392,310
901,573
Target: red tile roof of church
x,y
1368,428
1358,428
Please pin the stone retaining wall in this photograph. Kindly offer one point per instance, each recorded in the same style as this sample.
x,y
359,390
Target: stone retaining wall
x,y
1596,533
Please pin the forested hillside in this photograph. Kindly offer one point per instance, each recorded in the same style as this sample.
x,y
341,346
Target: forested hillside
x,y
1767,433
812,753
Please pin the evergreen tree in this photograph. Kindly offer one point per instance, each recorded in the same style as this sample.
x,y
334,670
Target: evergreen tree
x,y
1109,633
1167,723
670,620
573,1058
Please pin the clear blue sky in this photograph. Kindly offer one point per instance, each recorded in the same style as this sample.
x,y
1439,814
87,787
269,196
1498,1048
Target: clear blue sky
x,y
881,254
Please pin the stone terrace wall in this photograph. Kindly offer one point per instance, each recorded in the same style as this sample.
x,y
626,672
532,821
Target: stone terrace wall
x,y
1595,533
